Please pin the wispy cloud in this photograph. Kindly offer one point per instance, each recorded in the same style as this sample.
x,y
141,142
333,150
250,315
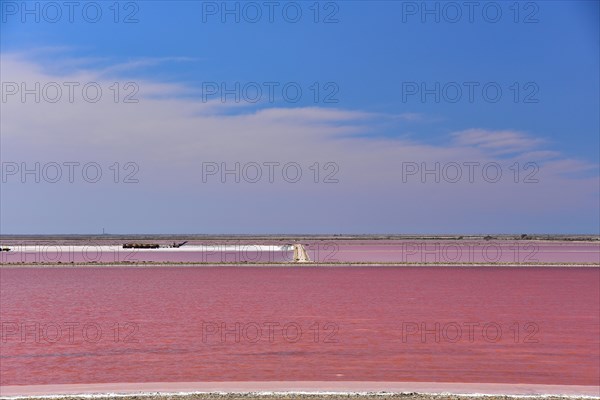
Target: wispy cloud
x,y
498,142
137,64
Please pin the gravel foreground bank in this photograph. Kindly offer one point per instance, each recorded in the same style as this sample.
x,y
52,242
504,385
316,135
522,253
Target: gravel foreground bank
x,y
374,396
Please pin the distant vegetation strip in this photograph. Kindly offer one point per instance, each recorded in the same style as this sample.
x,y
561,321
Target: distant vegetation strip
x,y
297,265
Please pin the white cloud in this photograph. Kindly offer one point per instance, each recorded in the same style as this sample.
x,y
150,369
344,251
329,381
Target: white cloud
x,y
169,134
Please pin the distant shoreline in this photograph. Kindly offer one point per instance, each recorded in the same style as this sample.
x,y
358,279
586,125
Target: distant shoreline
x,y
374,237
187,264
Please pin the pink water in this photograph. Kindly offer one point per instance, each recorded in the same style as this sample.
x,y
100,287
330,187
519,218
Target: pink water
x,y
353,323
453,251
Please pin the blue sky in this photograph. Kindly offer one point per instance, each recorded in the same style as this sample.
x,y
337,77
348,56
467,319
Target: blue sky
x,y
370,55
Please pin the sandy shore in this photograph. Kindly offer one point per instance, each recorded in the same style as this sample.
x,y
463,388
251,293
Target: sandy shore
x,y
252,396
300,390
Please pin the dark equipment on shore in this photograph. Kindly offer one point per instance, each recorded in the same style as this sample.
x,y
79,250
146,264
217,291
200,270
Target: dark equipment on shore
x,y
141,246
